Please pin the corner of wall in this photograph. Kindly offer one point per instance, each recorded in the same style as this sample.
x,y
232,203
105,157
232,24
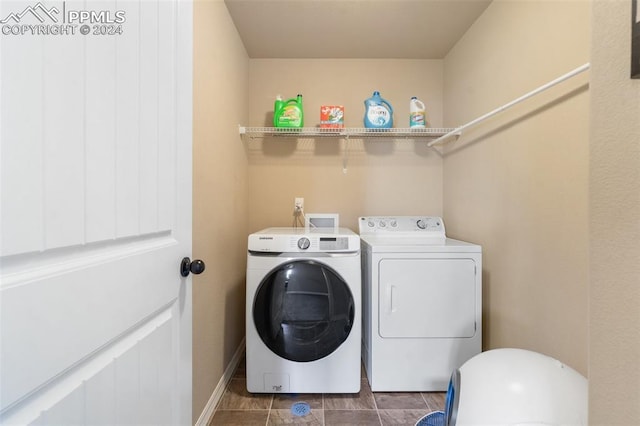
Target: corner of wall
x,y
220,195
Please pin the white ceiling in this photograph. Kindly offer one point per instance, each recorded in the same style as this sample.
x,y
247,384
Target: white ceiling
x,y
407,29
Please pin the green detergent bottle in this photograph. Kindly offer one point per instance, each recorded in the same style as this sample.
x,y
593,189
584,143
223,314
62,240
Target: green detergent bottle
x,y
288,114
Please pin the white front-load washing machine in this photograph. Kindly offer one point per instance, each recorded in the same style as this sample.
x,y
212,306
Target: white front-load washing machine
x,y
303,311
422,303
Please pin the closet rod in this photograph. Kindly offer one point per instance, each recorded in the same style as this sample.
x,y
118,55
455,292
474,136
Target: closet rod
x,y
512,103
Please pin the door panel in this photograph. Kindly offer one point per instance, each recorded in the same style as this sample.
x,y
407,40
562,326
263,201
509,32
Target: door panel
x,y
95,319
427,298
127,115
22,205
148,115
69,313
100,136
101,405
62,103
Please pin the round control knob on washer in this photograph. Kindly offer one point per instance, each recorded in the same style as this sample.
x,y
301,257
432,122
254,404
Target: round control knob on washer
x,y
394,223
382,224
371,224
304,243
421,224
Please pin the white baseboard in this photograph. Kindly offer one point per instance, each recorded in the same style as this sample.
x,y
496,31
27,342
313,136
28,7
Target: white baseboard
x,y
218,392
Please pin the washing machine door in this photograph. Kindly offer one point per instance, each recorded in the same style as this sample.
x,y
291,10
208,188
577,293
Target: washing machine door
x,y
303,310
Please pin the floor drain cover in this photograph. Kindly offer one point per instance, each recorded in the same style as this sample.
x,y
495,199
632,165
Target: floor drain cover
x,y
300,409
435,418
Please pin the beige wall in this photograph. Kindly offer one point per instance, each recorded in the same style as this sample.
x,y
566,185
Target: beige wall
x,y
614,323
518,183
381,177
220,201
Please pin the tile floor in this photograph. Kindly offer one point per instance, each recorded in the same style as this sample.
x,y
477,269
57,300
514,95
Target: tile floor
x,y
239,407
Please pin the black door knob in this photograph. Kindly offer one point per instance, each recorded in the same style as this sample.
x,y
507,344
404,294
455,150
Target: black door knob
x,y
186,266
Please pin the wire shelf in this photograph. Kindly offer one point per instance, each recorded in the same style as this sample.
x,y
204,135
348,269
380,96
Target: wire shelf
x,y
354,132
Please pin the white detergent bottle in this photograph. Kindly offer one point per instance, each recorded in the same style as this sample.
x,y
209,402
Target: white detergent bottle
x,y
417,114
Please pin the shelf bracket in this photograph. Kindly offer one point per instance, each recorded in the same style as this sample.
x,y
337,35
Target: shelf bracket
x,y
345,157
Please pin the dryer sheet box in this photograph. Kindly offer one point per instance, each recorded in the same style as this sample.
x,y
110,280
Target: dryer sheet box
x,y
332,117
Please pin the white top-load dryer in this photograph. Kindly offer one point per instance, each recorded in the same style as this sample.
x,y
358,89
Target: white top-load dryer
x,y
422,303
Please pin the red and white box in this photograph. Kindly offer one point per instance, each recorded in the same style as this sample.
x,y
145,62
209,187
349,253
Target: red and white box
x,y
331,117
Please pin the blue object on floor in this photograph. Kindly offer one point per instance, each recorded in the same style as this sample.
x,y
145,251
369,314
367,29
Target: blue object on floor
x,y
435,418
300,409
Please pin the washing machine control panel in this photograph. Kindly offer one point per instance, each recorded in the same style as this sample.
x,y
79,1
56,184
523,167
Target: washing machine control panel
x,y
304,243
291,240
399,225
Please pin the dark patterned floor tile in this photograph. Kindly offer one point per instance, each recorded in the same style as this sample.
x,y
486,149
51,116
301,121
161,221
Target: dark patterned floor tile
x,y
400,400
351,417
236,397
240,418
351,401
401,417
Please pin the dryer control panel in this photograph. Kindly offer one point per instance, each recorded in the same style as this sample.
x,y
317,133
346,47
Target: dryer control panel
x,y
426,226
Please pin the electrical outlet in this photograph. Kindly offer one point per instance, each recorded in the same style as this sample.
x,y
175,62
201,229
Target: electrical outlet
x,y
298,204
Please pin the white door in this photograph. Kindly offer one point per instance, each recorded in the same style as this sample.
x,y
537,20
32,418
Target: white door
x,y
423,298
95,212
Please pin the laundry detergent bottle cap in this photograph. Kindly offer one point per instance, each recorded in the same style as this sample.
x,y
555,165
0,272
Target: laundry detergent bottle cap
x,y
378,113
417,114
288,113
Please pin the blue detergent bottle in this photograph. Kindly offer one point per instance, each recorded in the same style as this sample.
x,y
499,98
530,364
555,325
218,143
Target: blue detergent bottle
x,y
378,113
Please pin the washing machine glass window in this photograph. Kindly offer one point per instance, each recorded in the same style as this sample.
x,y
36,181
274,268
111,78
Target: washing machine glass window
x,y
303,310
